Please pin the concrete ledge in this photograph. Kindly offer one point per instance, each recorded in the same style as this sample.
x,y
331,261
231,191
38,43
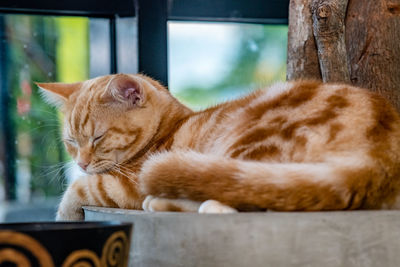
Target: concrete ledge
x,y
357,238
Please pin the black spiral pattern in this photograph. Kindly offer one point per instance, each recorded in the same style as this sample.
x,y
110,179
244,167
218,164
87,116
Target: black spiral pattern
x,y
82,258
21,250
115,250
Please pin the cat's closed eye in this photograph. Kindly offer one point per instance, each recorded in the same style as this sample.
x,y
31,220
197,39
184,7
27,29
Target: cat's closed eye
x,y
71,142
97,139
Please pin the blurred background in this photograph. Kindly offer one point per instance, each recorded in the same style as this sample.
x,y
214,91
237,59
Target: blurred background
x,y
214,62
208,62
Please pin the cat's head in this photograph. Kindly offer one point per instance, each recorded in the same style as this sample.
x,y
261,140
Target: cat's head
x,y
109,119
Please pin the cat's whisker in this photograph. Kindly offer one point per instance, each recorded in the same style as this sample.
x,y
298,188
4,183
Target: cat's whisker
x,y
119,169
43,126
45,137
53,171
125,169
41,110
51,165
125,175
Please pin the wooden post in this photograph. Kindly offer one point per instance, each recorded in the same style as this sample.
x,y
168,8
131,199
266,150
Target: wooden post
x,y
373,45
358,41
329,31
302,60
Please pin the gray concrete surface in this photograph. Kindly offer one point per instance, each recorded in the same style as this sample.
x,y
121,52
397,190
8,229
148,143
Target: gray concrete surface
x,y
357,238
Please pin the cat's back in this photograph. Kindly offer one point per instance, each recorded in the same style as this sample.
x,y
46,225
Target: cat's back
x,y
294,121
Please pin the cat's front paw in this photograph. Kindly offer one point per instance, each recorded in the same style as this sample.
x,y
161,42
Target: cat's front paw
x,y
213,206
70,208
70,215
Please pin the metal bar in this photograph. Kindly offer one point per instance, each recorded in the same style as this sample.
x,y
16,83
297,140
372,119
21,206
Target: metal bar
x,y
113,46
152,25
90,8
51,13
7,127
234,20
250,11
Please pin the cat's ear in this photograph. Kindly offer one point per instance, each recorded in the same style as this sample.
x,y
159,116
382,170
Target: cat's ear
x,y
57,93
125,89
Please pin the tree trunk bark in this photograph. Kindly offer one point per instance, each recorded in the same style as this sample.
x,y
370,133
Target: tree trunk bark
x,y
302,60
370,57
373,45
329,32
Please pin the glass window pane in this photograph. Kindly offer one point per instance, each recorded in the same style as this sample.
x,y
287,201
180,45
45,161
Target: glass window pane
x,y
213,62
99,47
42,49
127,45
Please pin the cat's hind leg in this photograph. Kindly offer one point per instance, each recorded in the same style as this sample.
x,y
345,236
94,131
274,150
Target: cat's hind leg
x,y
213,206
152,203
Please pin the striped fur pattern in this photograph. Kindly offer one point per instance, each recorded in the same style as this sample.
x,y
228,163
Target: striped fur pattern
x,y
294,146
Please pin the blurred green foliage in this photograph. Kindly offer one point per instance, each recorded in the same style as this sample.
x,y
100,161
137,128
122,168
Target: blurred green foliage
x,y
38,51
259,61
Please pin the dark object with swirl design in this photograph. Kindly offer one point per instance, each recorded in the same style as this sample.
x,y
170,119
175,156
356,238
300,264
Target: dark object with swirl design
x,y
97,244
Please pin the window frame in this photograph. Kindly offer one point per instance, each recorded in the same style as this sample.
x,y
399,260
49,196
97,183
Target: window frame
x,y
87,8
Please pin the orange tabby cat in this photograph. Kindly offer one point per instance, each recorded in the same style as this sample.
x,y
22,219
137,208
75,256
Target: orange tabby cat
x,y
294,146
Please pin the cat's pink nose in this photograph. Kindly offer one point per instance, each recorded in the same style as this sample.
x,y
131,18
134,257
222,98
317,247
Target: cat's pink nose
x,y
83,165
